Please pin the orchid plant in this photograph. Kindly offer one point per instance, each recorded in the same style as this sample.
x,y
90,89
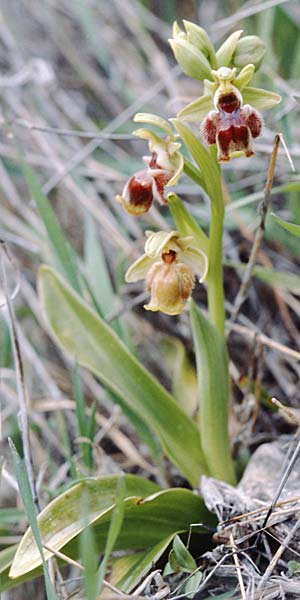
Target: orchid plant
x,y
228,120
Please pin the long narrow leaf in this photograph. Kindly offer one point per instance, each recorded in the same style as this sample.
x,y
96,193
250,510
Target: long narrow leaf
x,y
83,335
213,386
26,494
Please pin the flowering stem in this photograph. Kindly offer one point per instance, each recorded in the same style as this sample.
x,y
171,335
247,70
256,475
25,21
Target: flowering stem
x,y
215,290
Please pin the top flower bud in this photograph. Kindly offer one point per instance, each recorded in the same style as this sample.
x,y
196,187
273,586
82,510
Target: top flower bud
x,y
197,57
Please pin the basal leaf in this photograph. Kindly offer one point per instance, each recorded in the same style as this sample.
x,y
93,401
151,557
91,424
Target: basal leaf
x,y
89,340
150,516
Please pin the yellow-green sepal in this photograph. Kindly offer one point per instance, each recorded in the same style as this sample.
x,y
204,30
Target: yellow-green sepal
x,y
151,119
197,110
226,51
192,61
260,99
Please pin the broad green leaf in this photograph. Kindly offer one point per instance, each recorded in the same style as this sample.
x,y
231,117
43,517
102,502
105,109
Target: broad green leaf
x,y
59,246
205,161
183,557
63,519
197,110
260,99
186,224
291,227
213,387
83,335
148,519
128,570
28,501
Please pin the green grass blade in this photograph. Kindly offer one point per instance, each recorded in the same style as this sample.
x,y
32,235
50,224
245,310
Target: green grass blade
x,y
83,335
59,245
114,529
27,498
291,227
128,570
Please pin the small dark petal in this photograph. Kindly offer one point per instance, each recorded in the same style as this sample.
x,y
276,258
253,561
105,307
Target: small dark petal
x,y
208,130
255,123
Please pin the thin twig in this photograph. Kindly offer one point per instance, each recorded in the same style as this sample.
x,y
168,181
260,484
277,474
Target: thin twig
x,y
19,379
73,133
238,567
278,555
242,293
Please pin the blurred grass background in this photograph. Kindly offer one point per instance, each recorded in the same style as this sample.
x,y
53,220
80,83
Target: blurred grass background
x,y
84,68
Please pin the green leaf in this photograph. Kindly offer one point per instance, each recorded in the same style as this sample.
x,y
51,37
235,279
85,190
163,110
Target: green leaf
x,y
27,498
186,224
59,245
192,584
127,571
114,529
194,173
204,160
150,516
213,389
183,557
83,335
291,227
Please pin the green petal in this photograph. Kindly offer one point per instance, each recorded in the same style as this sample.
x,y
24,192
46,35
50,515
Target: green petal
x,y
198,260
157,241
225,52
260,99
244,77
151,119
139,269
178,171
197,110
147,134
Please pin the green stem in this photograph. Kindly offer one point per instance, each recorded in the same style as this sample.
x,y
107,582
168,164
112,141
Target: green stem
x,y
215,290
